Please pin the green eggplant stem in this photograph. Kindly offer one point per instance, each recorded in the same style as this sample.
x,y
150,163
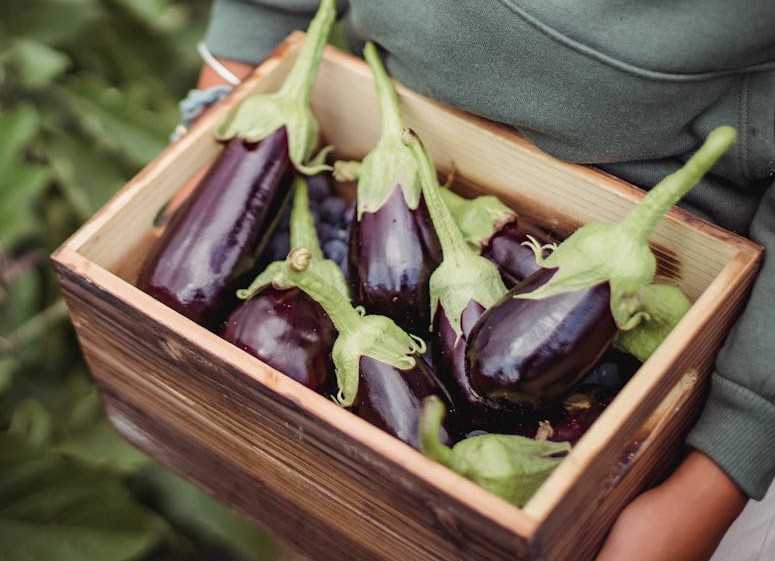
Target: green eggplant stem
x,y
432,416
302,226
301,78
392,123
343,315
644,217
260,114
453,244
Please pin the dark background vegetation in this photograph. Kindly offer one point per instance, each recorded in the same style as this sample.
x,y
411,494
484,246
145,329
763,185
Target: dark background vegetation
x,y
88,96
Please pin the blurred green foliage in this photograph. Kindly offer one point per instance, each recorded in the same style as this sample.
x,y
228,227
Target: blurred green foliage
x,y
88,95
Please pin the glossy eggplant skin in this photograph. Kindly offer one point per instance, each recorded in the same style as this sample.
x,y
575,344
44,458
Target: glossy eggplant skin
x,y
536,350
471,411
505,248
213,241
289,331
393,252
390,398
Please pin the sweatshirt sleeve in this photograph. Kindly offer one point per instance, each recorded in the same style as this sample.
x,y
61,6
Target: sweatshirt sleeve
x,y
737,426
247,31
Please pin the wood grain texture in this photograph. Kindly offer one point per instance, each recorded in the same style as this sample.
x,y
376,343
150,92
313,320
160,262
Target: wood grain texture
x,y
266,456
317,477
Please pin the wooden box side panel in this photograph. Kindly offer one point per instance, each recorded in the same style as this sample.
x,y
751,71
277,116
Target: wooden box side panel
x,y
279,456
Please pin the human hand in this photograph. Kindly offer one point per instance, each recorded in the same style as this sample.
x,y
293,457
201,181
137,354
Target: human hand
x,y
683,518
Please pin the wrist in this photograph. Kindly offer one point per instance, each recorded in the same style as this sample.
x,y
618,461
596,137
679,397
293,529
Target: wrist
x,y
220,71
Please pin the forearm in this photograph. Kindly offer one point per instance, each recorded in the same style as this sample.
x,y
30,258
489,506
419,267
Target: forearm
x,y
683,518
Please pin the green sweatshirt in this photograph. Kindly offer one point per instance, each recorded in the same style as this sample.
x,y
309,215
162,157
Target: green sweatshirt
x,y
628,86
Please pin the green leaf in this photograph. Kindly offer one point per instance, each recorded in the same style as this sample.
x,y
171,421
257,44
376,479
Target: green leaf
x,y
20,187
31,423
8,367
49,21
52,507
150,12
87,175
21,182
98,443
23,298
111,116
187,504
37,63
18,126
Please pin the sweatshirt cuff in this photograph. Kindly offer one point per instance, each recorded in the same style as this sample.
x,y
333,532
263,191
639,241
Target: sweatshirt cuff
x,y
737,430
246,32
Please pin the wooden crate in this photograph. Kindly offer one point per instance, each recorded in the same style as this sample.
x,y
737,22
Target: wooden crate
x,y
327,483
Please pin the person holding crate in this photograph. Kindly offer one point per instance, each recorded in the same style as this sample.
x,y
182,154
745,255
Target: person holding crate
x,y
632,89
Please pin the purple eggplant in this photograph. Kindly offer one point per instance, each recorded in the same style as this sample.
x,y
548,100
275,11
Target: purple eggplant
x,y
570,419
380,371
543,336
509,248
289,331
390,398
286,328
472,412
392,254
497,232
214,239
393,245
534,350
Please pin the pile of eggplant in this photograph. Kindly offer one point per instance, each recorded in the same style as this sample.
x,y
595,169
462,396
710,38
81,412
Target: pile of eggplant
x,y
471,333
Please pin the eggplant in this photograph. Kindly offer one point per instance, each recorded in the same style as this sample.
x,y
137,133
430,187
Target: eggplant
x,y
392,254
462,286
510,466
380,371
390,398
534,350
213,241
287,329
393,245
543,336
498,233
510,249
570,419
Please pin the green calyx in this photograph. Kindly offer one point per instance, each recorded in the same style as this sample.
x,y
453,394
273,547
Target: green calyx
x,y
374,336
512,467
259,115
477,218
463,275
359,334
661,308
619,253
390,164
